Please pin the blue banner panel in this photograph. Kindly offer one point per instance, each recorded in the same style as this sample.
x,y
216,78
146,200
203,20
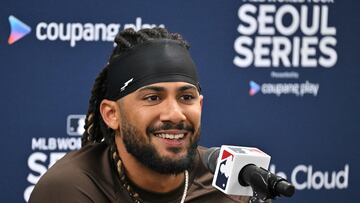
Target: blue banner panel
x,y
279,75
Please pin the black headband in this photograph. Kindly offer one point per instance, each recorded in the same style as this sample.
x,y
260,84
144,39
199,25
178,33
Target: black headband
x,y
157,60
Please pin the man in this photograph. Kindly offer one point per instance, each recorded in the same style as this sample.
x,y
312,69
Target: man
x,y
141,131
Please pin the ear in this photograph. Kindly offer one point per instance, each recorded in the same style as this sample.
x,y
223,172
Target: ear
x,y
201,100
109,111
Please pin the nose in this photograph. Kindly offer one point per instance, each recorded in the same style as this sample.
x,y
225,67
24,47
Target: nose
x,y
172,112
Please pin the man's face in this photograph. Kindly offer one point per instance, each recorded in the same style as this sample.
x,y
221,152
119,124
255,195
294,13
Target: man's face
x,y
160,125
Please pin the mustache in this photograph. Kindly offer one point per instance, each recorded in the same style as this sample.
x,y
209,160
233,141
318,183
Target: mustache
x,y
170,126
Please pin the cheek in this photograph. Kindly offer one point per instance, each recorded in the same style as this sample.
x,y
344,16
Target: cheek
x,y
142,118
194,116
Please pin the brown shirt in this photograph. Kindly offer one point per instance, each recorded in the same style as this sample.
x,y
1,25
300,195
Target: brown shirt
x,y
89,175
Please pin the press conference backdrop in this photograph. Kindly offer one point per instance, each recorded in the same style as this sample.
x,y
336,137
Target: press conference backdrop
x,y
280,75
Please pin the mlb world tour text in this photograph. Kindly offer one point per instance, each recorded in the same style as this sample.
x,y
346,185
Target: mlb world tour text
x,y
285,35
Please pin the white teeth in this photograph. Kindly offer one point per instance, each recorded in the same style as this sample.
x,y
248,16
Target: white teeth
x,y
170,136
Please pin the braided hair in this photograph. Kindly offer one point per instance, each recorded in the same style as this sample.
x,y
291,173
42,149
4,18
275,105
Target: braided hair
x,y
95,128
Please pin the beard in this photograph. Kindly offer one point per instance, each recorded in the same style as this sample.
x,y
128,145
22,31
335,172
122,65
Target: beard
x,y
142,149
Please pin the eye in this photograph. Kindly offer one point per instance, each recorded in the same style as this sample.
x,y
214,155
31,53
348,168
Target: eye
x,y
187,98
152,98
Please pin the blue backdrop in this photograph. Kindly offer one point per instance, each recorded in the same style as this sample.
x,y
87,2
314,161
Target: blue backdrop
x,y
279,75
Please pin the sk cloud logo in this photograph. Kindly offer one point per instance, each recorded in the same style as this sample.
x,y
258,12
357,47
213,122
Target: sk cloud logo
x,y
254,88
18,29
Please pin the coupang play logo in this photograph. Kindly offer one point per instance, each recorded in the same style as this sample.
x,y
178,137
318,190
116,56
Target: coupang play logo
x,y
298,89
73,33
18,29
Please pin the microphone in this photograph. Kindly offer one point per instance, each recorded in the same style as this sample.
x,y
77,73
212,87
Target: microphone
x,y
236,168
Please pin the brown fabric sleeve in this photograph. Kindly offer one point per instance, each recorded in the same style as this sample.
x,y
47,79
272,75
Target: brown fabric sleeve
x,y
57,188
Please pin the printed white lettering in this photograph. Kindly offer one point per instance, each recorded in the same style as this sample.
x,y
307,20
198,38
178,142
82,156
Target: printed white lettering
x,y
305,38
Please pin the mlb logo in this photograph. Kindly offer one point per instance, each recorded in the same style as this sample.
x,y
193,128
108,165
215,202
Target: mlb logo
x,y
226,163
75,125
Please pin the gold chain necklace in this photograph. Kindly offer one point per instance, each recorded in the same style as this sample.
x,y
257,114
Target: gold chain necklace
x,y
125,183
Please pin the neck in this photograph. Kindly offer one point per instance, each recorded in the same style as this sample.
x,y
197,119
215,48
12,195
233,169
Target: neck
x,y
144,177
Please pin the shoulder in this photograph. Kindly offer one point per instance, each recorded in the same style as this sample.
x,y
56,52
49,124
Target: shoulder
x,y
201,189
80,176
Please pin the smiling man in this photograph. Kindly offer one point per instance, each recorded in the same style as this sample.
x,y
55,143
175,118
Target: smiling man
x,y
141,131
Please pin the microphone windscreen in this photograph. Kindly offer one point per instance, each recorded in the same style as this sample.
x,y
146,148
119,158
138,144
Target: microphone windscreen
x,y
210,158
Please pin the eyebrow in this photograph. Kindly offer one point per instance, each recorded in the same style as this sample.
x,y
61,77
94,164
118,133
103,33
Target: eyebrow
x,y
153,88
162,89
186,87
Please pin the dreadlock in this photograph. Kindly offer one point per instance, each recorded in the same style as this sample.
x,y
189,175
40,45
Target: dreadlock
x,y
95,128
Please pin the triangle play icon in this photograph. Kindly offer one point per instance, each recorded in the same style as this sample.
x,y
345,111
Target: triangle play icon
x,y
18,29
254,88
